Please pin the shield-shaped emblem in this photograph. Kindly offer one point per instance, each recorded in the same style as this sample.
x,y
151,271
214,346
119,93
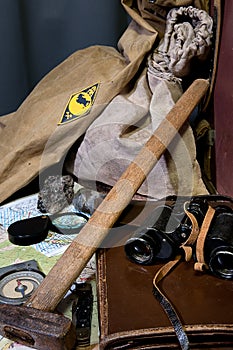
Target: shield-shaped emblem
x,y
79,104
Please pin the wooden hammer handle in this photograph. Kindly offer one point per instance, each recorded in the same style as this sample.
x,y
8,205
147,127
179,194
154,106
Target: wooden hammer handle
x,y
70,265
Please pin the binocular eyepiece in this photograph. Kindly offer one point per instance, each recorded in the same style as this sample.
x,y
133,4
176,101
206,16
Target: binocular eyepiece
x,y
159,240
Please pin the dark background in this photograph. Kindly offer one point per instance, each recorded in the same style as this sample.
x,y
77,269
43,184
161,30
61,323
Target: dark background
x,y
36,35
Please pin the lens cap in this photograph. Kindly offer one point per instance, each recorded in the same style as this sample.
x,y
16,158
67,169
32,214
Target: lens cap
x,y
29,231
35,230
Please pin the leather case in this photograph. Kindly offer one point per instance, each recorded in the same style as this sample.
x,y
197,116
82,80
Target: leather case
x,y
132,318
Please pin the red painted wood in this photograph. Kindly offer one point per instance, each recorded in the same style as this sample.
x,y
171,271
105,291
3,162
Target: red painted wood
x,y
223,105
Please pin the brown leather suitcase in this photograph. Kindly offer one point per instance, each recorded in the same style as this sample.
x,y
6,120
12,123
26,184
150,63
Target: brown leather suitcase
x,y
132,318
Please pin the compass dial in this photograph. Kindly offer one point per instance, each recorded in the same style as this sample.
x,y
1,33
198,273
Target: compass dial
x,y
17,287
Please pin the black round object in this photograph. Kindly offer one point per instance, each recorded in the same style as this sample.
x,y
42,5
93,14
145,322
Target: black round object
x,y
35,230
221,262
29,231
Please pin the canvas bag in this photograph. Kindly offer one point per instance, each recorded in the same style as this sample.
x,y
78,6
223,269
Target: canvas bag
x,y
31,139
114,139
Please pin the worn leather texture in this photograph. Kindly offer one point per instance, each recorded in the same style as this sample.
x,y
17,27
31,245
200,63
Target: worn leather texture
x,y
131,318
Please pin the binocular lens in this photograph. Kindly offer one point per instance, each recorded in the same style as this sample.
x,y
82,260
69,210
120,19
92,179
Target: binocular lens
x,y
221,263
140,251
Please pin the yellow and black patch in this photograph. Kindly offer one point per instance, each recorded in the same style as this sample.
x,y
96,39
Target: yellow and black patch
x,y
79,104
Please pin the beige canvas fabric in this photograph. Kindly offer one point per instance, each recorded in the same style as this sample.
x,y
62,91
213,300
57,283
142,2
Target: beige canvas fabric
x,y
152,14
114,139
31,139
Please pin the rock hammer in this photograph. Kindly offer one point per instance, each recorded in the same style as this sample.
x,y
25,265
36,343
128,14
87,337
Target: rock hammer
x,y
35,324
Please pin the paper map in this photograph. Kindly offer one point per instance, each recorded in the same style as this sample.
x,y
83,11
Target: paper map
x,y
45,253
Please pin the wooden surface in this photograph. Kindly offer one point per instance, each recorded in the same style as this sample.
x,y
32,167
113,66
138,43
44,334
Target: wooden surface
x,y
223,105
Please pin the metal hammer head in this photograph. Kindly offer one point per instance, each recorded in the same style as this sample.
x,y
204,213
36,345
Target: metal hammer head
x,y
37,329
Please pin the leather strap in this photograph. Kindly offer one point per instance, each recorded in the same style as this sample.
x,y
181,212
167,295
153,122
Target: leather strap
x,y
166,304
197,236
200,265
187,245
